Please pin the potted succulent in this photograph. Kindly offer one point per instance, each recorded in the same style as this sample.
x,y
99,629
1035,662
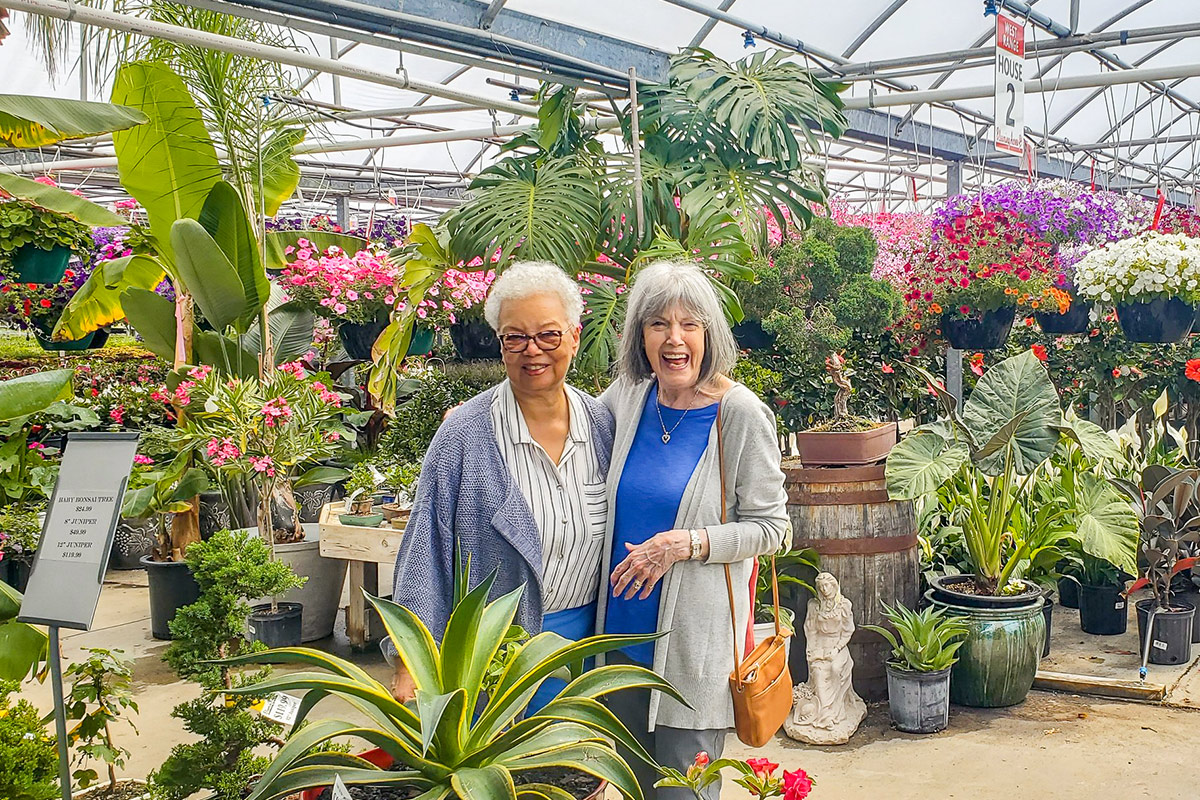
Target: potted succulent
x,y
1152,280
981,267
923,651
364,480
1169,507
991,453
468,733
36,244
845,440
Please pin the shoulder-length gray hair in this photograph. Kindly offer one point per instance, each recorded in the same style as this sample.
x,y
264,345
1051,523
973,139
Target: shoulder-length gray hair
x,y
658,288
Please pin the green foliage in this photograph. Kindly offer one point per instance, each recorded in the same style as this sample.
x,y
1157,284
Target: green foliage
x,y
100,695
924,641
456,739
402,478
23,647
230,568
362,481
796,570
19,531
763,381
819,260
28,759
27,121
23,223
867,305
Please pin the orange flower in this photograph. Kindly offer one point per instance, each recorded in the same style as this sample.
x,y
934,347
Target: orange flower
x,y
916,326
934,308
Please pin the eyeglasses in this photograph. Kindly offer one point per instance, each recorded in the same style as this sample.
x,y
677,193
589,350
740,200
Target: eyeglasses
x,y
519,342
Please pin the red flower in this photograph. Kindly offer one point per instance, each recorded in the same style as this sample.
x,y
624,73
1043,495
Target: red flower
x,y
762,766
44,303
886,369
964,310
1192,369
1116,372
1040,351
796,785
701,759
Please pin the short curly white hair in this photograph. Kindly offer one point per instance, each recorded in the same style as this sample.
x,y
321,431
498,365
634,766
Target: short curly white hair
x,y
529,279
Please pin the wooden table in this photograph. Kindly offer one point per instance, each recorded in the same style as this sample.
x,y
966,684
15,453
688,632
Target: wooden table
x,y
365,549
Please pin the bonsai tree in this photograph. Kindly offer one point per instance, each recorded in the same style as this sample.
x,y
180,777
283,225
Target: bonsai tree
x,y
989,457
922,641
458,739
101,693
231,569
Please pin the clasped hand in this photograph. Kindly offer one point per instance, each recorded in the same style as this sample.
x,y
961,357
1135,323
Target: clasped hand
x,y
647,562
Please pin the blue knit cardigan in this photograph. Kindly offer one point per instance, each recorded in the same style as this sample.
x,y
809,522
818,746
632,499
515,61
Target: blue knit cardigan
x,y
468,501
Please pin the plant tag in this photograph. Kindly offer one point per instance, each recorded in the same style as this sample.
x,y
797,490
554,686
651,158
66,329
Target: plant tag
x,y
1161,645
282,708
339,790
1119,605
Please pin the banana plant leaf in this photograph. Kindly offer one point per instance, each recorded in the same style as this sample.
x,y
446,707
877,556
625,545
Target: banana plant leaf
x,y
29,394
98,301
224,217
205,270
280,172
291,327
153,317
29,121
168,164
62,202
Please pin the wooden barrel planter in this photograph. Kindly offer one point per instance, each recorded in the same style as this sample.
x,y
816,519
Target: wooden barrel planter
x,y
868,542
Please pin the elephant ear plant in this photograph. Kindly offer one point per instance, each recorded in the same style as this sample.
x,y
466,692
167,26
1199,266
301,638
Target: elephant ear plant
x,y
456,739
991,454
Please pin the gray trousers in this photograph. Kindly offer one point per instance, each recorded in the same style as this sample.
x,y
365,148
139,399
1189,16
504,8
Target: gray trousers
x,y
671,747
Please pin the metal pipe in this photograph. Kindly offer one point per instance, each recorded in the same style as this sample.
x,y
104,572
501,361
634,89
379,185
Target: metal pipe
x,y
883,17
382,113
1036,17
74,12
1126,143
636,142
435,137
1114,78
285,20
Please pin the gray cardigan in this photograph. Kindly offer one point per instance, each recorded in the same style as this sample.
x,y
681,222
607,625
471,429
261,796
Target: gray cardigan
x,y
697,655
468,503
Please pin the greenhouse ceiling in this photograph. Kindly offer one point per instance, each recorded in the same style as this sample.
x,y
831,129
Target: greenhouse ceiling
x,y
405,100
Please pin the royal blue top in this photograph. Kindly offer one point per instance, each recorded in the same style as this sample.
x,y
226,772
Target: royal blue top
x,y
648,497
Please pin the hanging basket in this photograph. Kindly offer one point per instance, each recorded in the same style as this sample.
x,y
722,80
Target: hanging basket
x,y
474,340
35,265
357,337
1076,320
751,335
989,332
92,341
1163,320
421,342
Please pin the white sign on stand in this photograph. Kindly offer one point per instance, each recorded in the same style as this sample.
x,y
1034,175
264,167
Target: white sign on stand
x,y
1010,85
68,569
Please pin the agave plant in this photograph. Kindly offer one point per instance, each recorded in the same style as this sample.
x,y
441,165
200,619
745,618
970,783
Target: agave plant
x,y
455,739
924,641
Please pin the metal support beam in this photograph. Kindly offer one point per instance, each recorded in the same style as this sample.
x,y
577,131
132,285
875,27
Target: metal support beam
x,y
708,25
489,15
71,11
513,36
876,23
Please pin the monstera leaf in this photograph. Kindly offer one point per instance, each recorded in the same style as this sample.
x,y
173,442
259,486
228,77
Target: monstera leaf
x,y
28,121
541,212
1016,386
923,461
598,341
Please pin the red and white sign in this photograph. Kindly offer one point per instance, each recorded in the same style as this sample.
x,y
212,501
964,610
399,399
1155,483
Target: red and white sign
x,y
1010,85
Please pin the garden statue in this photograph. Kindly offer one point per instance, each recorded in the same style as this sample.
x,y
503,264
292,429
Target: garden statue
x,y
826,709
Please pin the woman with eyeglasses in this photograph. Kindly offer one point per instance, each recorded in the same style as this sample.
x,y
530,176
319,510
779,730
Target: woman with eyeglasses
x,y
515,479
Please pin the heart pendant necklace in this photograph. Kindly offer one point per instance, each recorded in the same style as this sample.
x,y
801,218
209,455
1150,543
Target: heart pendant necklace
x,y
666,434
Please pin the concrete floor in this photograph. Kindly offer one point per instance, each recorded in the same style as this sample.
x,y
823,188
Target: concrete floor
x,y
1065,746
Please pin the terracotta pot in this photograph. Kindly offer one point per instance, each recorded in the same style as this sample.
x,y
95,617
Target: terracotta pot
x,y
845,448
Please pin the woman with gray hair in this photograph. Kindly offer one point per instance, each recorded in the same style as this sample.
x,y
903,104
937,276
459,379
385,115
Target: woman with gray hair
x,y
515,479
667,547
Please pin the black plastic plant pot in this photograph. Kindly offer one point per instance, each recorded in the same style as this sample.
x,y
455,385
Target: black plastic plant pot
x,y
1076,320
172,587
988,332
474,340
357,337
751,335
280,628
1163,320
35,265
15,572
1103,610
1068,593
1171,634
1048,613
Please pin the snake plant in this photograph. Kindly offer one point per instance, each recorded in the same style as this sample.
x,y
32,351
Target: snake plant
x,y
455,739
